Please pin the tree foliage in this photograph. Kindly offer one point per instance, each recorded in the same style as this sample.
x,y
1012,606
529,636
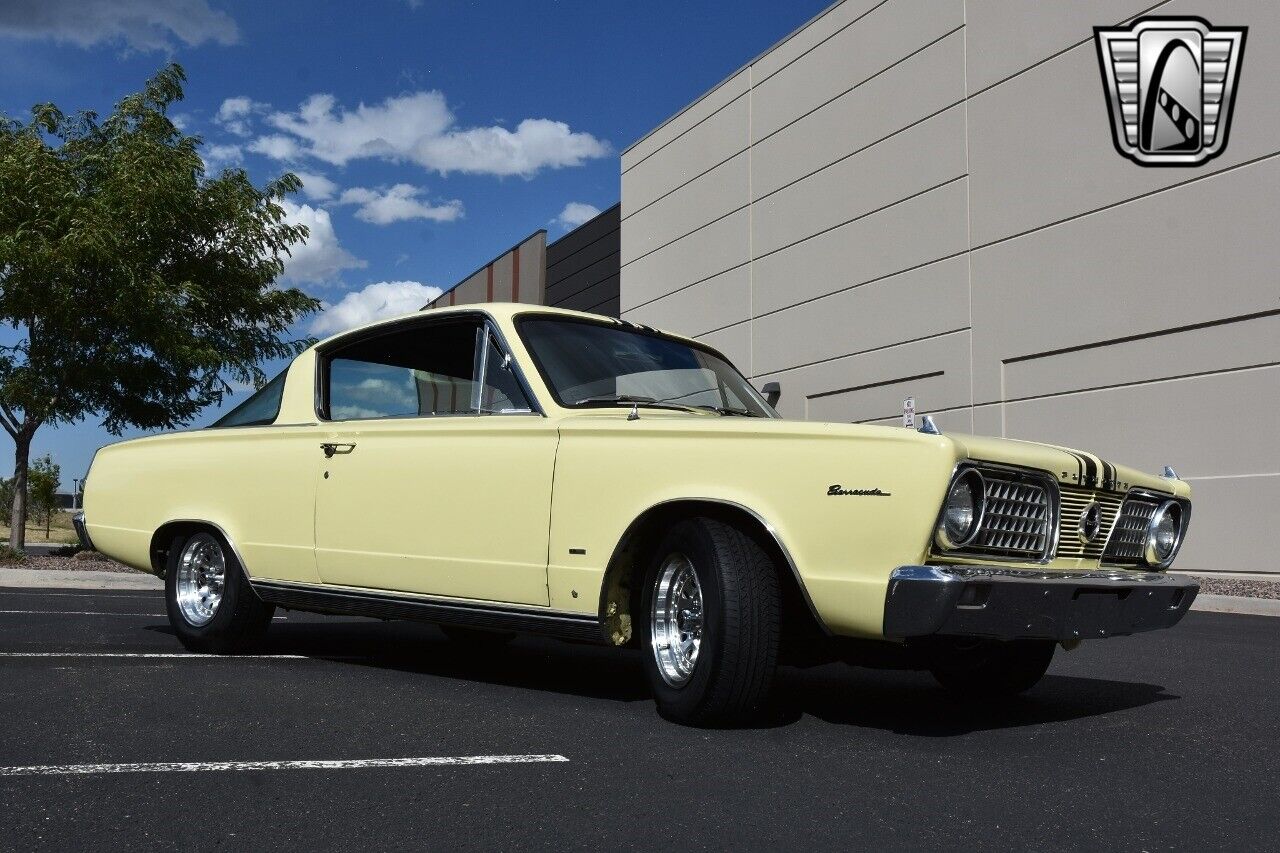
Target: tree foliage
x,y
43,479
136,284
44,476
6,500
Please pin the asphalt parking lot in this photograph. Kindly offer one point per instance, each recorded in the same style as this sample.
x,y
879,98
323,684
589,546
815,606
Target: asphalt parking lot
x,y
1162,741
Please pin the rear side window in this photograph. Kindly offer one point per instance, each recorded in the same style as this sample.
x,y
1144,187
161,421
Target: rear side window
x,y
259,410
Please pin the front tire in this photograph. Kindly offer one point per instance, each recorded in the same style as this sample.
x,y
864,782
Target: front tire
x,y
989,668
709,616
211,606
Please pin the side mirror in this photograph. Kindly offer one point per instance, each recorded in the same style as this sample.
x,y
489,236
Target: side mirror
x,y
772,392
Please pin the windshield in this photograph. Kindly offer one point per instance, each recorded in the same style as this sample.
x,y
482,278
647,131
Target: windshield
x,y
585,363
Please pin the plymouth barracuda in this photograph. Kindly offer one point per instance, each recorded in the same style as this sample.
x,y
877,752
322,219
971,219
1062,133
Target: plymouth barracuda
x,y
497,469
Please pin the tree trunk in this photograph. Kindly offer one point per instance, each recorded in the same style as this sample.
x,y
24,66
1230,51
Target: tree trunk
x,y
18,518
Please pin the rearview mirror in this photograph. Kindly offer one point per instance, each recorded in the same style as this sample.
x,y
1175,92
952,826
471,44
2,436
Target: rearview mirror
x,y
772,392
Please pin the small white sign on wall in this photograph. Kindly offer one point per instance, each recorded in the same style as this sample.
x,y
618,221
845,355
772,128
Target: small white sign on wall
x,y
909,413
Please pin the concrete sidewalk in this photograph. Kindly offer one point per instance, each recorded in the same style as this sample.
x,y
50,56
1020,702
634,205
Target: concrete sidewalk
x,y
66,579
1237,604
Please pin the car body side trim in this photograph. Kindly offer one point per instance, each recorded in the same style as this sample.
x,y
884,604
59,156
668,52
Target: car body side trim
x,y
382,604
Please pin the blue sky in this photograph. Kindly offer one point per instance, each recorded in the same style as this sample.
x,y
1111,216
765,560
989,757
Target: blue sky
x,y
436,133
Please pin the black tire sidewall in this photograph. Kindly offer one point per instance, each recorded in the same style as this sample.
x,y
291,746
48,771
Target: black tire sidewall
x,y
691,540
221,634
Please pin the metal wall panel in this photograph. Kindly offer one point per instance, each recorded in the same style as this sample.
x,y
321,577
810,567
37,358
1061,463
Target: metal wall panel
x,y
582,266
931,205
494,282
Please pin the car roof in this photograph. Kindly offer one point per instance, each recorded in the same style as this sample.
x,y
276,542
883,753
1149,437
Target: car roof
x,y
499,311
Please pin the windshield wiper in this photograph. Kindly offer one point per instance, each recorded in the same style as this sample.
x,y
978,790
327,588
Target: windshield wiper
x,y
629,400
729,410
719,410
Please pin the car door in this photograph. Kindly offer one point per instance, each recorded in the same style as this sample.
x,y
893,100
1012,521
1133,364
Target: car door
x,y
436,474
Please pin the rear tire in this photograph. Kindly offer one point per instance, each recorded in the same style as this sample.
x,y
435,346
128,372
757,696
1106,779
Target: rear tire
x,y
989,668
709,623
211,606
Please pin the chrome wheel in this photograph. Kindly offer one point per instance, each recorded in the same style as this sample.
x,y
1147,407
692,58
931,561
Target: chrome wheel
x,y
676,620
202,576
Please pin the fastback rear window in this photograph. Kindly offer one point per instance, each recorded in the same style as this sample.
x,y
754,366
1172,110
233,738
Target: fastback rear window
x,y
259,410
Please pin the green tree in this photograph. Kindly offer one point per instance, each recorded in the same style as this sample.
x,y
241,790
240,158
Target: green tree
x,y
43,478
135,284
6,499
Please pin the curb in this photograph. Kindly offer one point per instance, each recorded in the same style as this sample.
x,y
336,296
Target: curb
x,y
1237,604
64,579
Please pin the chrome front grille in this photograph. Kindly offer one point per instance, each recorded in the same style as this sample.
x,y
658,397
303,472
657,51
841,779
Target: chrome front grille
x,y
1073,500
1017,521
1129,539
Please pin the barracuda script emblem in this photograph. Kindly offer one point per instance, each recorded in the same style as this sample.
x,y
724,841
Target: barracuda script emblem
x,y
1170,85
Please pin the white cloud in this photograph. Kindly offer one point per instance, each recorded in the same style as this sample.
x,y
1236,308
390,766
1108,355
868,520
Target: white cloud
x,y
147,25
316,186
419,127
235,113
277,147
575,213
399,203
321,258
218,156
536,144
374,302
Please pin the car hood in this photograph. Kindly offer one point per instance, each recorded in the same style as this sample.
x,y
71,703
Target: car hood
x,y
1069,466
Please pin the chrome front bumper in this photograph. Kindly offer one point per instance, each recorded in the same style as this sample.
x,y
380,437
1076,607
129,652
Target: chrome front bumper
x,y
1010,604
82,532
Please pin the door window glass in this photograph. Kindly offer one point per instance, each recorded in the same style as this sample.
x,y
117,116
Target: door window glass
x,y
423,370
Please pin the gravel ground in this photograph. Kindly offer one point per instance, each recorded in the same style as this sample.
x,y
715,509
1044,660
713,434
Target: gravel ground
x,y
95,563
1243,587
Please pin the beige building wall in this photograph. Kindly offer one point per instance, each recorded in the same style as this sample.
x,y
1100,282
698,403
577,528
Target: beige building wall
x,y
912,198
517,275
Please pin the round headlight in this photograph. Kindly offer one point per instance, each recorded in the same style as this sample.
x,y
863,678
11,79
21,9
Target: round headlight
x,y
962,512
1163,534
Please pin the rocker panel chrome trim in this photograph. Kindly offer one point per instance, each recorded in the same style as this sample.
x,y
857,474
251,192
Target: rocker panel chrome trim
x,y
381,604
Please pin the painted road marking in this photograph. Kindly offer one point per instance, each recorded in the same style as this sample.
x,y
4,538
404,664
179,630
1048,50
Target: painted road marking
x,y
78,613
195,655
349,764
94,613
102,593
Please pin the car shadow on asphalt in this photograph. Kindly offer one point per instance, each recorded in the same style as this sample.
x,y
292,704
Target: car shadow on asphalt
x,y
902,702
911,703
528,663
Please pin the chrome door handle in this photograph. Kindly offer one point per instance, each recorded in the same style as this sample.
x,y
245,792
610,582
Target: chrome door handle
x,y
330,449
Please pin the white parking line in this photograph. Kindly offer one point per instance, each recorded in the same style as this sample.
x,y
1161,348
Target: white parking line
x,y
195,655
350,764
94,613
98,593
79,613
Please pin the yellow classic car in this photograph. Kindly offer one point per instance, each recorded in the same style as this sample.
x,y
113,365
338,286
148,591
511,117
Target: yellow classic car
x,y
498,469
